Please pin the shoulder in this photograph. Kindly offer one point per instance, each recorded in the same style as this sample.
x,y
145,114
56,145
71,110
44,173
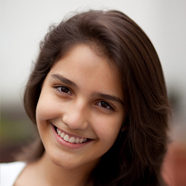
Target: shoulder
x,y
10,172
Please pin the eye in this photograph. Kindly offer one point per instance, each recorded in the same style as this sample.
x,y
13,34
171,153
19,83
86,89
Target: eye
x,y
105,105
64,90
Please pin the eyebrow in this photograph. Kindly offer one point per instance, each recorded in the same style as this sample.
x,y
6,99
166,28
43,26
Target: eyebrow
x,y
109,97
96,94
64,80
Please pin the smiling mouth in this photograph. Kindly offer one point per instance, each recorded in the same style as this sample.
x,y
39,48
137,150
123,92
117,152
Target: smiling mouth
x,y
70,139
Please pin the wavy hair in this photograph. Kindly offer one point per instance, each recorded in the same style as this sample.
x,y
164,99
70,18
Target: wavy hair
x,y
137,155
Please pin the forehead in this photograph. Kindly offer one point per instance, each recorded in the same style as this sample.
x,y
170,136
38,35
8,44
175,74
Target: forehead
x,y
83,65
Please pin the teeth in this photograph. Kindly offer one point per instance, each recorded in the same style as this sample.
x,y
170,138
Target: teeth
x,y
77,140
66,138
70,139
81,140
59,132
62,134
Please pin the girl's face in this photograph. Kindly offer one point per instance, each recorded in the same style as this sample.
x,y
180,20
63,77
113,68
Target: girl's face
x,y
80,110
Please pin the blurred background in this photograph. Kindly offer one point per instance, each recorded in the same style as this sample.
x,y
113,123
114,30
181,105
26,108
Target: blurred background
x,y
23,25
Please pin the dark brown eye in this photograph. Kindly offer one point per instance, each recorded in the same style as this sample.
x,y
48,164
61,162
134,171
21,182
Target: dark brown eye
x,y
105,105
64,90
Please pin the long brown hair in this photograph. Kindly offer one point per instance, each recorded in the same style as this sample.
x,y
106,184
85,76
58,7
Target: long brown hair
x,y
137,155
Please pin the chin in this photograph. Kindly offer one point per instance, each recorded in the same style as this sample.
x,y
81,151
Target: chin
x,y
62,162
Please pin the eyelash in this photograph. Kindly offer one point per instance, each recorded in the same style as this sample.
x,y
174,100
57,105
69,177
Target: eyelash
x,y
59,88
107,106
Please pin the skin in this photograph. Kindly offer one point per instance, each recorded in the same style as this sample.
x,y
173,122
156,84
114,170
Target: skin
x,y
80,108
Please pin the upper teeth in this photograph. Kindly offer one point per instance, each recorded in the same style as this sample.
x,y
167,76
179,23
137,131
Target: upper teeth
x,y
69,139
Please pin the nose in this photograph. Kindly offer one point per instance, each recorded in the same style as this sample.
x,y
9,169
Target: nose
x,y
76,115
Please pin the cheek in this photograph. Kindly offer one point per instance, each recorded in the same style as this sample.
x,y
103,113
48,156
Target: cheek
x,y
46,108
108,128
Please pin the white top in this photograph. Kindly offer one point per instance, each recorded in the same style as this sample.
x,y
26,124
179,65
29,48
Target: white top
x,y
9,172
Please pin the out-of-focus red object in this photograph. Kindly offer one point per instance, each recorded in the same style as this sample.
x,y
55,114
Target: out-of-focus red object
x,y
174,168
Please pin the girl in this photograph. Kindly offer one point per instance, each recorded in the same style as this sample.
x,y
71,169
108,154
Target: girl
x,y
98,98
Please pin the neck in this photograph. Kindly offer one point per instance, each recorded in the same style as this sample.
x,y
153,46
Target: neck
x,y
55,175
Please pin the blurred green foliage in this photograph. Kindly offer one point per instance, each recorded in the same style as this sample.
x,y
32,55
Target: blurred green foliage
x,y
15,131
